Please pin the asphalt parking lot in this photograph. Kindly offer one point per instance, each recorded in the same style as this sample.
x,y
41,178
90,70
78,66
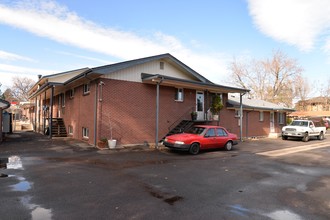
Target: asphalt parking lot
x,y
259,179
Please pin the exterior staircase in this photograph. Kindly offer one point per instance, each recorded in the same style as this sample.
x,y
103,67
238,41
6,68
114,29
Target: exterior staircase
x,y
181,127
58,128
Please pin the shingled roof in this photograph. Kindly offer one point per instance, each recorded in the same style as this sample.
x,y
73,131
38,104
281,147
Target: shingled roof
x,y
255,104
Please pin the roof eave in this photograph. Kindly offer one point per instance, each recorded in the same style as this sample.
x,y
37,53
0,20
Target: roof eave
x,y
176,82
81,75
43,88
253,108
6,104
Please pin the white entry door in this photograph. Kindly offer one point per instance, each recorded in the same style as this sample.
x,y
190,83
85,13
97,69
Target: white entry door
x,y
200,105
272,121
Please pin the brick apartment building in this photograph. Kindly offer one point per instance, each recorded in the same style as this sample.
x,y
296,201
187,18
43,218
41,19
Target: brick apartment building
x,y
314,107
134,102
260,118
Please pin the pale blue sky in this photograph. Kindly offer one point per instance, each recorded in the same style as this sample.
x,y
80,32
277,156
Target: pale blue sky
x,y
48,36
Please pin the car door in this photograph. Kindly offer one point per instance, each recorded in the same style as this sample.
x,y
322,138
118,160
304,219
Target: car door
x,y
210,139
222,137
313,130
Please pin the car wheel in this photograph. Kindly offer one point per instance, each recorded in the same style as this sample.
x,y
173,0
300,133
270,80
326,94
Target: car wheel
x,y
194,148
229,145
284,137
305,138
321,136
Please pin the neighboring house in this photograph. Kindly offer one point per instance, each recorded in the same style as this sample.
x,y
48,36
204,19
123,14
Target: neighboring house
x,y
314,107
260,118
3,105
134,102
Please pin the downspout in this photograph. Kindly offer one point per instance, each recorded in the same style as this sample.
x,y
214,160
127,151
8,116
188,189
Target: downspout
x,y
39,114
157,112
44,113
51,112
35,114
95,113
241,116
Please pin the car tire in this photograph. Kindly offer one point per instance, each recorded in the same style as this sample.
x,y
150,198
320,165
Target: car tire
x,y
229,146
305,138
194,148
284,137
321,136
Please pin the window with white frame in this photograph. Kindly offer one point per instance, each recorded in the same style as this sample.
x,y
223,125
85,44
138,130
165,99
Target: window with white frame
x,y
71,93
179,95
261,116
70,129
85,132
86,88
281,117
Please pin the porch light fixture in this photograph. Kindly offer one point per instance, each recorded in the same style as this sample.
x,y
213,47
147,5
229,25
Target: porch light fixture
x,y
158,80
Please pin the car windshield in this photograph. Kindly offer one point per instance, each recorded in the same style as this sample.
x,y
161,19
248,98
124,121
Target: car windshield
x,y
196,130
300,123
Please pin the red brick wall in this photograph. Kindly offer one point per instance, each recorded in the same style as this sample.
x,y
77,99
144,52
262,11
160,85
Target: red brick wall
x,y
79,112
251,124
131,107
0,125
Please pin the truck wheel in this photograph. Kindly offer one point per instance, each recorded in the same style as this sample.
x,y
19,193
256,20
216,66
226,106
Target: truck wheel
x,y
305,138
284,137
321,136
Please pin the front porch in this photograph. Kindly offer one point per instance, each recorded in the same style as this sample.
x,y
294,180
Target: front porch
x,y
189,119
205,91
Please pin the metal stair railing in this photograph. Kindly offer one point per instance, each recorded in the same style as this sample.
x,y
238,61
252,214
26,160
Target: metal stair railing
x,y
184,116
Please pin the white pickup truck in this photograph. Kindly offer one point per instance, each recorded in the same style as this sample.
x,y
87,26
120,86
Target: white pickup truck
x,y
304,129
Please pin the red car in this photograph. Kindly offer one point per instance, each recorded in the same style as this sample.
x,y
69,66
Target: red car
x,y
201,137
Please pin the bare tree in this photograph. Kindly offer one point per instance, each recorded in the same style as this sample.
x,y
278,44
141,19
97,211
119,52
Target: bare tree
x,y
240,74
302,88
7,94
270,79
242,77
325,92
302,91
20,88
327,89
